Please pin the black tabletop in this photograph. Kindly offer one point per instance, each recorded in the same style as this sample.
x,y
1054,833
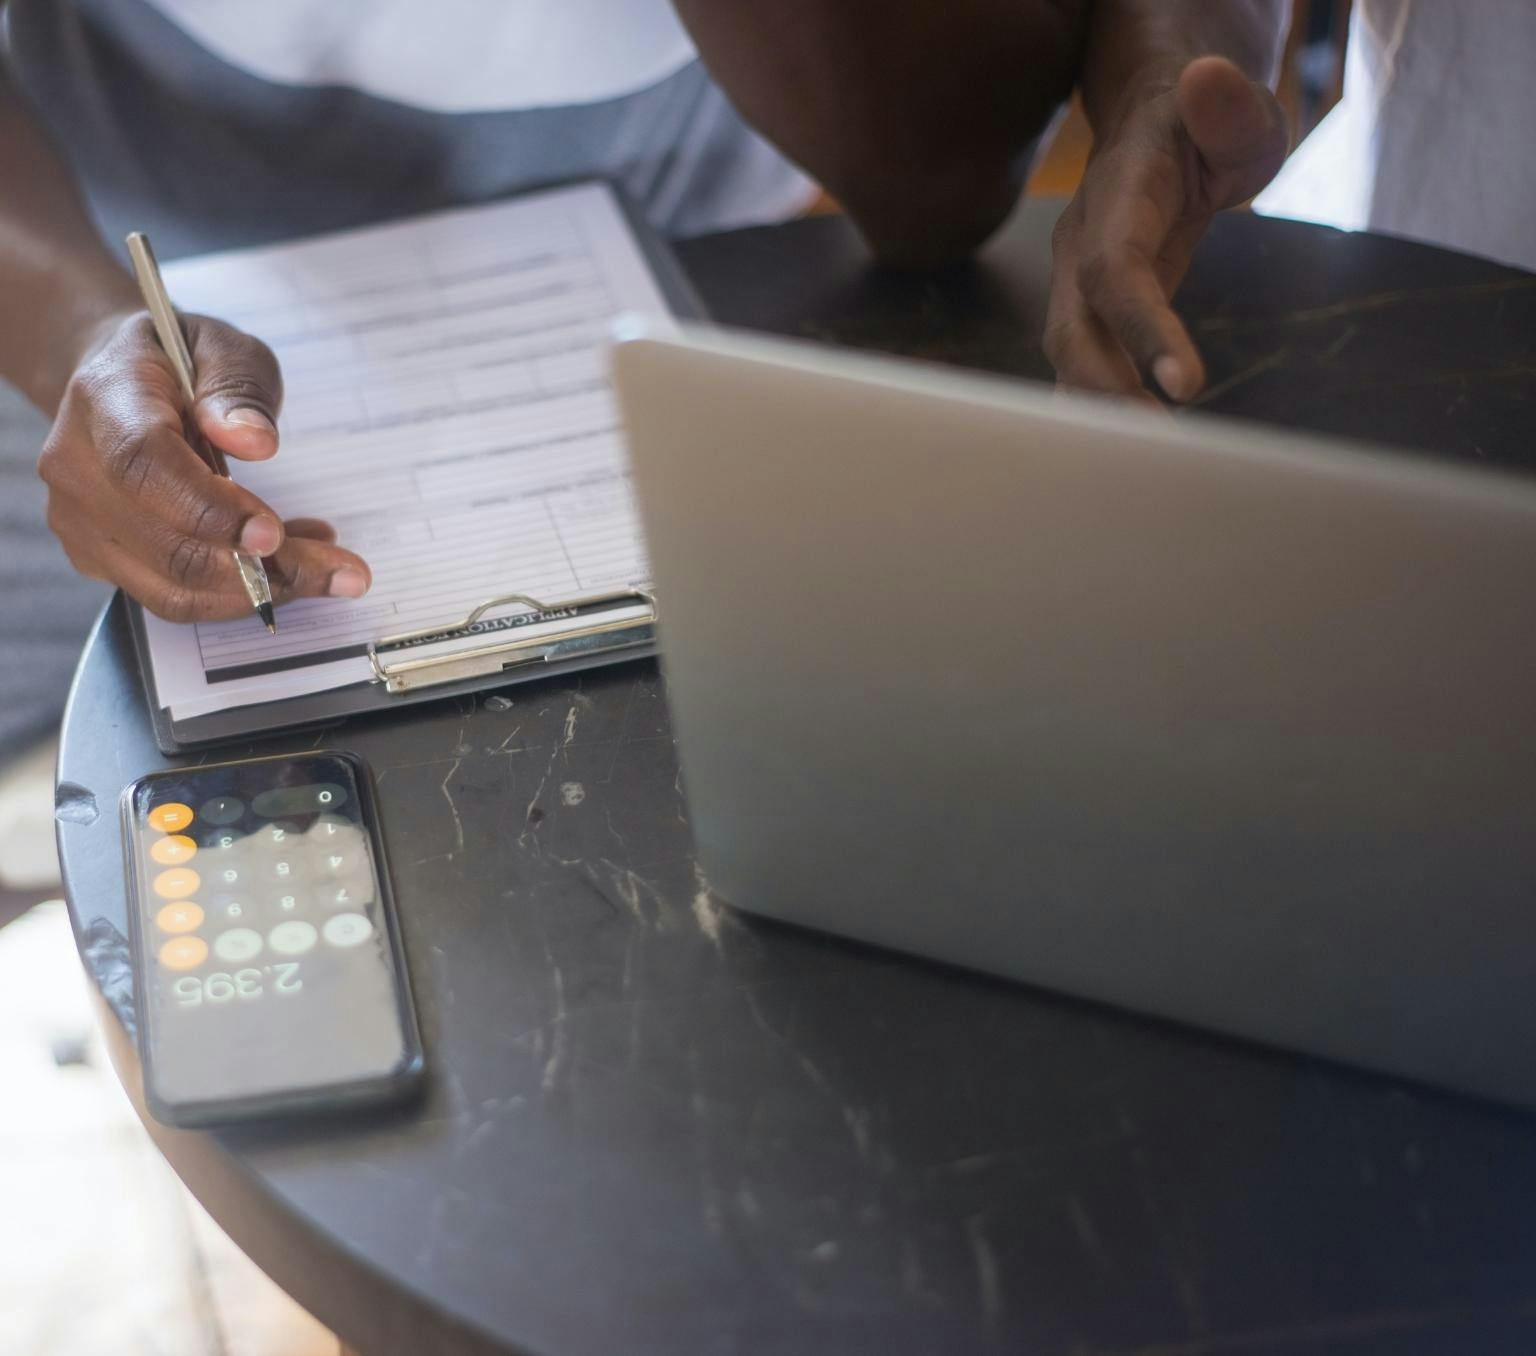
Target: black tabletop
x,y
656,1126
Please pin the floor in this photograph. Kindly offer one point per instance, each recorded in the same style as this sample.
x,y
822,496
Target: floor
x,y
102,1250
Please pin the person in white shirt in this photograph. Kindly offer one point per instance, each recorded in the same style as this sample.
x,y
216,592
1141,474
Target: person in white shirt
x,y
1435,137
218,123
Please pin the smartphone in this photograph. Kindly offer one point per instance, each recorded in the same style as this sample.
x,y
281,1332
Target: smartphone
x,y
268,970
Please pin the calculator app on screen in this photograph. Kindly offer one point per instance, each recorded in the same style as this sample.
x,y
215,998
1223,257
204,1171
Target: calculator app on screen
x,y
267,966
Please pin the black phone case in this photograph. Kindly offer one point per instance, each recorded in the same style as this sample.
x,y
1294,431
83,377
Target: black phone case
x,y
399,1085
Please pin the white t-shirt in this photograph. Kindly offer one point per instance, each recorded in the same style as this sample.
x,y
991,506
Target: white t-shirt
x,y
1435,138
219,123
449,56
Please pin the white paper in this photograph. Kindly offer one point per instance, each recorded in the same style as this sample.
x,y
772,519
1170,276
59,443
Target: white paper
x,y
446,408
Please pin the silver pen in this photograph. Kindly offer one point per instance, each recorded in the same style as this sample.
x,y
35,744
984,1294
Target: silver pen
x,y
157,301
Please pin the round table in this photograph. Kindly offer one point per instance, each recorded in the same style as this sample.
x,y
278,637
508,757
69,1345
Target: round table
x,y
656,1126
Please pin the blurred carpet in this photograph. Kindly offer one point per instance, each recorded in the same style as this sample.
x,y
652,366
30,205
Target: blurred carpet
x,y
102,1251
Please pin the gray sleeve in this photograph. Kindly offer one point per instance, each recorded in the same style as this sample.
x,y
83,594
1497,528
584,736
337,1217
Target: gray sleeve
x,y
46,608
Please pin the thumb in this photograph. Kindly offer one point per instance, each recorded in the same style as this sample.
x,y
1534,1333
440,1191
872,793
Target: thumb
x,y
239,389
1236,125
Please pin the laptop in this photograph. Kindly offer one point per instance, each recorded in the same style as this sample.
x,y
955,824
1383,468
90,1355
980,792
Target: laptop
x,y
1231,726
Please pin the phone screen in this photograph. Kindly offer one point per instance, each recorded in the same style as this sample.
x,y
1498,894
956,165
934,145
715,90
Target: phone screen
x,y
267,962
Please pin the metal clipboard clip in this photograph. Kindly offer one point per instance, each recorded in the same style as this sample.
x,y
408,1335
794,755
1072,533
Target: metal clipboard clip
x,y
588,634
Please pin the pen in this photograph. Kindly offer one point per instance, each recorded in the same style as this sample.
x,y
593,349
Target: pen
x,y
168,330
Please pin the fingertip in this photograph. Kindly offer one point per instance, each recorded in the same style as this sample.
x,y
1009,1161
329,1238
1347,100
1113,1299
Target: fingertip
x,y
1208,66
1230,118
1180,377
1213,82
248,417
1170,375
348,582
242,432
261,535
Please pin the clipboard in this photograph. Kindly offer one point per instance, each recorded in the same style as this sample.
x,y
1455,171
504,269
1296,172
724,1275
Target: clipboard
x,y
563,635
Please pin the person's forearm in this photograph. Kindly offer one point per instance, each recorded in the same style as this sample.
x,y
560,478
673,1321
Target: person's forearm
x,y
1137,48
58,282
917,116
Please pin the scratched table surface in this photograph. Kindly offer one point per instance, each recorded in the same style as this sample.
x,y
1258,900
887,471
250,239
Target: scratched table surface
x,y
657,1126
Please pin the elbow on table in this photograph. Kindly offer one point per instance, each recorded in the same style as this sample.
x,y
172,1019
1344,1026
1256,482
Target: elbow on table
x,y
929,216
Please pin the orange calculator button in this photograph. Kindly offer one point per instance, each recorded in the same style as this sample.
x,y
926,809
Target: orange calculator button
x,y
177,883
182,953
172,817
173,850
183,917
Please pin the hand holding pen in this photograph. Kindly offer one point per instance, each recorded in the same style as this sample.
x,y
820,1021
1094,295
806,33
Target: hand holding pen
x,y
131,495
253,576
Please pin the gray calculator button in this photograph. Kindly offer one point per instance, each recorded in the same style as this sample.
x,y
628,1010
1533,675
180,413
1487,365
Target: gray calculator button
x,y
238,944
333,831
223,810
287,870
223,840
287,904
336,863
347,929
350,892
228,876
292,938
300,800
284,837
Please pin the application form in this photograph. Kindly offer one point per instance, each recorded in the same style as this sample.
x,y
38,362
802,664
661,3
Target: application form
x,y
447,408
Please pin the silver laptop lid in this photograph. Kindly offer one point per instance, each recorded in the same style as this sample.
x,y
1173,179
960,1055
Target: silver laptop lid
x,y
1225,725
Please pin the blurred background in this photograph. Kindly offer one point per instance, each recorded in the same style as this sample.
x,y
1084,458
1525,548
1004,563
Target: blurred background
x,y
85,1193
